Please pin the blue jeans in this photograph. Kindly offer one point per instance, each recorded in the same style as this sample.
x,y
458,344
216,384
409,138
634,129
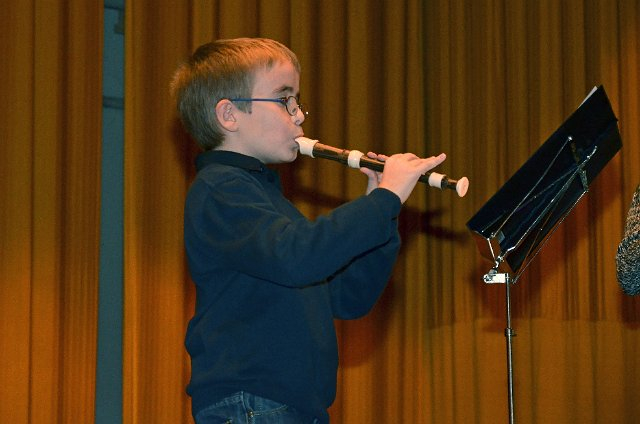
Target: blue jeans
x,y
245,408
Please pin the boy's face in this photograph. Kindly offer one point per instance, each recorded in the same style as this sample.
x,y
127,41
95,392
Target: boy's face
x,y
268,133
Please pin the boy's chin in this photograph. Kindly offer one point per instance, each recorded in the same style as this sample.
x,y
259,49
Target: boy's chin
x,y
284,158
293,156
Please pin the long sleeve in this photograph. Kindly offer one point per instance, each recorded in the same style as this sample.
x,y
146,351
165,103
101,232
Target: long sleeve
x,y
356,289
240,225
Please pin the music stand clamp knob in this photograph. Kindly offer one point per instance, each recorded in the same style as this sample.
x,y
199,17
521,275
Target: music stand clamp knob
x,y
495,277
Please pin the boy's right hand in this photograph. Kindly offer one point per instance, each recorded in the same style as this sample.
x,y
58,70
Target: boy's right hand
x,y
402,170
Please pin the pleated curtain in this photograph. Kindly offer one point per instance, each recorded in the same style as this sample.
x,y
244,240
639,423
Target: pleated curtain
x,y
486,82
50,146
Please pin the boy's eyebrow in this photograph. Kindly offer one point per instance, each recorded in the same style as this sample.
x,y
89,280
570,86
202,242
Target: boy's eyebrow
x,y
285,89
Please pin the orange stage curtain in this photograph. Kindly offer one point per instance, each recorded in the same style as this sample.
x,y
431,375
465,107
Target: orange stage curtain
x,y
50,116
484,81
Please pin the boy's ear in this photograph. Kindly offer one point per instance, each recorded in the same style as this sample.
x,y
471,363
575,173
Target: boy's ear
x,y
226,114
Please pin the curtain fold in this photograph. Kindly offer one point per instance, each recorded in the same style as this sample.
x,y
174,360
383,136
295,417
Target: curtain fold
x,y
49,220
156,166
485,82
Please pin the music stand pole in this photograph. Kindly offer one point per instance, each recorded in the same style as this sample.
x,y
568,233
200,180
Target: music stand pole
x,y
509,334
494,277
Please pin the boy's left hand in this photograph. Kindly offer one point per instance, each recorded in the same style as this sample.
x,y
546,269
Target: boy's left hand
x,y
373,176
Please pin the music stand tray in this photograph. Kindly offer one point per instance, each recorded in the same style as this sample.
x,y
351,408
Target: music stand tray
x,y
513,225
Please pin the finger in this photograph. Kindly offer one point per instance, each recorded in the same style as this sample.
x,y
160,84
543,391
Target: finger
x,y
377,156
431,162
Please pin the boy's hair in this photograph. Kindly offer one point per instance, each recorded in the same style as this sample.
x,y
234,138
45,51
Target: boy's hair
x,y
223,69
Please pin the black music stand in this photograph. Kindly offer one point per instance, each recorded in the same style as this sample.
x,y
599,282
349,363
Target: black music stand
x,y
511,228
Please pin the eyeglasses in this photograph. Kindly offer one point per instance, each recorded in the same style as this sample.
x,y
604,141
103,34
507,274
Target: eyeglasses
x,y
290,103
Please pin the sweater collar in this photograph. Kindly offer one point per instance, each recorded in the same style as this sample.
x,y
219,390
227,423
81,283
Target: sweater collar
x,y
229,158
238,160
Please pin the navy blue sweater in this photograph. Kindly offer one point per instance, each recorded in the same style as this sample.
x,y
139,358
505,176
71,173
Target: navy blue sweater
x,y
269,283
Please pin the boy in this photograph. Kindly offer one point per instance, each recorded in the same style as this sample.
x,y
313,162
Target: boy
x,y
269,282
